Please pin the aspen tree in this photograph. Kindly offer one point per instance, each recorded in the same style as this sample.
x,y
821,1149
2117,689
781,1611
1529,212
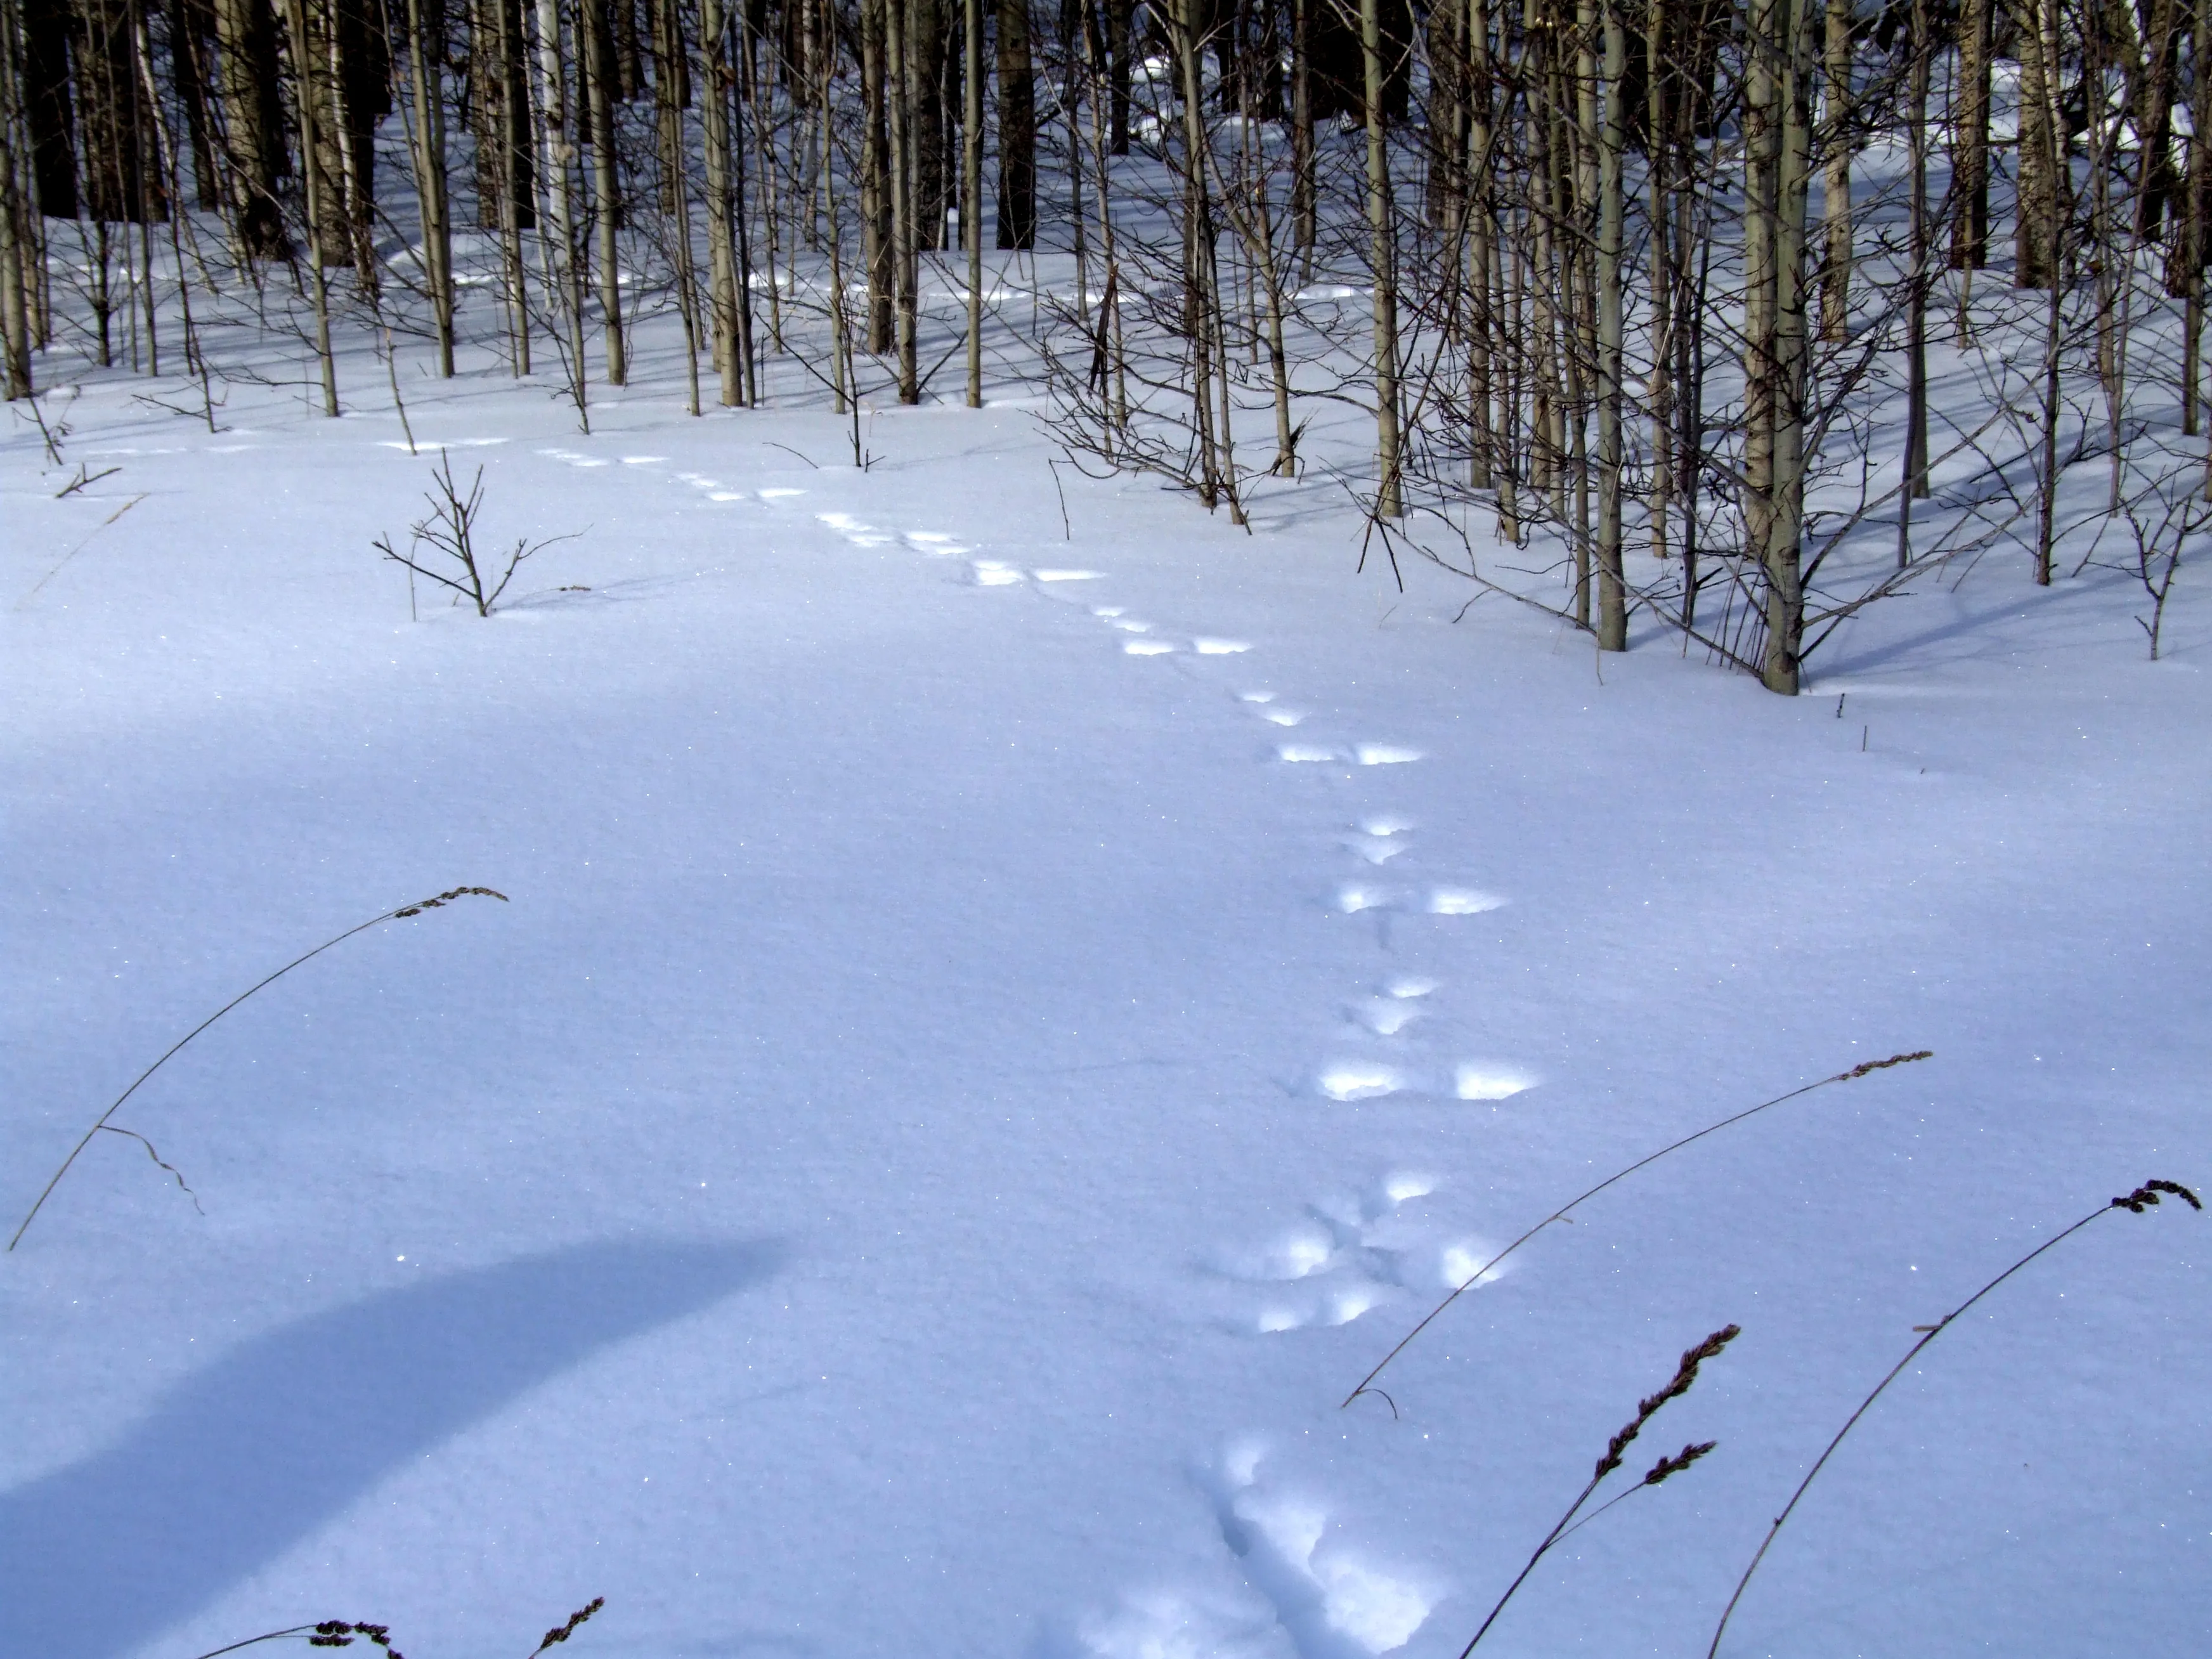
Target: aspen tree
x,y
1382,258
429,154
971,194
715,75
1612,593
317,287
596,69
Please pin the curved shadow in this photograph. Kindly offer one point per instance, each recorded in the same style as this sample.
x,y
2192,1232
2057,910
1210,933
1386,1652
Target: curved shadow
x,y
247,1455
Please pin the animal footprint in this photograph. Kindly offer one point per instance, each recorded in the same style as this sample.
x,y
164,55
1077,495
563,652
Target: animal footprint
x,y
1346,1255
1462,902
1483,1080
1384,754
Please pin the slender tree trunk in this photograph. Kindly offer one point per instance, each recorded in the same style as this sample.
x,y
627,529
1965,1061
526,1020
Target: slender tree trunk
x,y
1612,581
2039,146
246,35
715,75
905,274
1017,222
1835,181
1198,235
673,83
556,151
1481,249
971,194
318,288
15,204
1382,256
595,56
1970,140
1665,274
430,171
877,232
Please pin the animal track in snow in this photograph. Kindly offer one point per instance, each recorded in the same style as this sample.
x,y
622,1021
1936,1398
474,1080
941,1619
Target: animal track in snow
x,y
779,495
1355,1079
1068,575
1345,1255
1463,902
1146,647
1376,849
1214,648
1384,754
1354,897
932,543
1282,716
1480,1080
1385,1016
1304,1591
993,573
1306,754
861,535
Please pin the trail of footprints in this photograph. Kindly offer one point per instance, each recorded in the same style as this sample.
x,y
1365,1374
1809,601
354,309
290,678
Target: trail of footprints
x,y
1302,1589
1384,1054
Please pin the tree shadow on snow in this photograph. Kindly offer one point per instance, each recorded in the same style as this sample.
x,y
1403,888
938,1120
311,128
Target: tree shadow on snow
x,y
245,1456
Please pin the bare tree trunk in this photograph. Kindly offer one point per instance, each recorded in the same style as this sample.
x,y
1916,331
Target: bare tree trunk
x,y
1481,250
672,83
430,174
1775,140
905,274
1197,237
595,58
2194,233
556,152
1612,581
1665,272
1017,128
1915,294
876,229
1304,208
925,45
1835,181
1970,140
15,202
317,288
971,196
1118,34
714,74
2040,146
1383,256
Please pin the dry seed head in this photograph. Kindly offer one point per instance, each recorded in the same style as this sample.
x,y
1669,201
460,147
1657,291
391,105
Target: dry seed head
x,y
562,1632
1866,1067
1686,1373
2145,1197
1675,1465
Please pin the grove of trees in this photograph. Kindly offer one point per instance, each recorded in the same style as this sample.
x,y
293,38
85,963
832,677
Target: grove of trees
x,y
1736,316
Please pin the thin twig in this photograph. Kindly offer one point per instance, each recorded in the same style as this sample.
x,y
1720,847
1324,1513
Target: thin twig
x,y
1562,1213
2143,1198
416,908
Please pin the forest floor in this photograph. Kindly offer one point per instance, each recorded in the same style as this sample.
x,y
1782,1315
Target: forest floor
x,y
998,1023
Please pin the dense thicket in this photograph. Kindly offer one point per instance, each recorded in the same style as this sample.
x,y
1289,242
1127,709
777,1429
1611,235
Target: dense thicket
x,y
1686,295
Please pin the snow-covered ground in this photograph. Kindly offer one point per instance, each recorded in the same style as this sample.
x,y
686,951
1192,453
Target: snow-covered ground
x,y
996,1029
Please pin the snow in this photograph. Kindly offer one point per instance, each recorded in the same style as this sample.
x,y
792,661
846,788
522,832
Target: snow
x,y
953,1101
